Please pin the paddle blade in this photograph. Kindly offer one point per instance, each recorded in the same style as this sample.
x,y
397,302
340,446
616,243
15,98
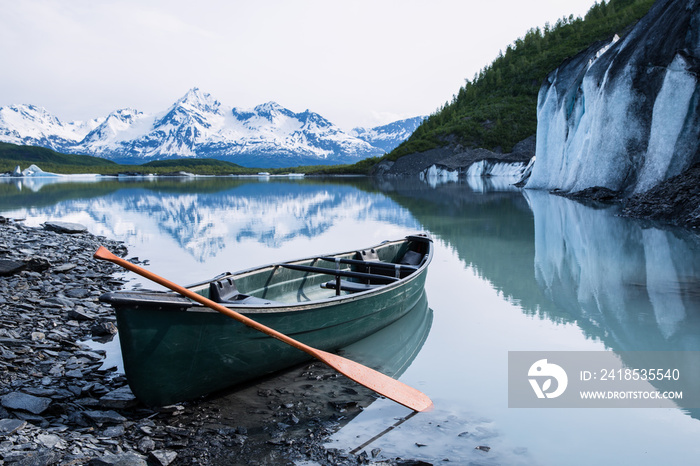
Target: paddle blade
x,y
377,382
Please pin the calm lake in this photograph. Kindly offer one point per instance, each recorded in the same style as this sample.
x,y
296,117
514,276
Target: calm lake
x,y
513,271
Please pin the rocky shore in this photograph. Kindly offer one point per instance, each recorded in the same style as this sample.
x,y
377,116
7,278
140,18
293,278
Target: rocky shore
x,y
675,201
60,403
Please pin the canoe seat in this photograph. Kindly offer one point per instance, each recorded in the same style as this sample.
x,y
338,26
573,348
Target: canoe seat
x,y
224,291
352,287
409,263
368,255
411,258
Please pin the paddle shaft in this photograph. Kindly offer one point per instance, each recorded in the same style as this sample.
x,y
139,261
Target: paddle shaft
x,y
376,381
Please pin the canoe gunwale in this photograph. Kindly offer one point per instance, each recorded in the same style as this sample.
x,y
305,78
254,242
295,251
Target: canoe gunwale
x,y
173,302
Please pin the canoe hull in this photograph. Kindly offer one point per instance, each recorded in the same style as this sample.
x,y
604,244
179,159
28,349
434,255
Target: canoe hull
x,y
174,355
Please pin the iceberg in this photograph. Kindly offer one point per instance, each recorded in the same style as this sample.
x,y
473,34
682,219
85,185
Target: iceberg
x,y
435,175
34,171
34,178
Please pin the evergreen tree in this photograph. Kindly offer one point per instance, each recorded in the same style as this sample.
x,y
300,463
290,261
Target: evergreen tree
x,y
497,108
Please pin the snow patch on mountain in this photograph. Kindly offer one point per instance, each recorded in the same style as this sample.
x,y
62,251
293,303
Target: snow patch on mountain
x,y
199,126
388,137
35,126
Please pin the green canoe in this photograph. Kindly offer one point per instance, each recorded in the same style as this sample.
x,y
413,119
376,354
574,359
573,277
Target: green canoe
x,y
175,349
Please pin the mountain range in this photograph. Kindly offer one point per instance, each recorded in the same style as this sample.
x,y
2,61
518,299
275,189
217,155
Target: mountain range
x,y
199,126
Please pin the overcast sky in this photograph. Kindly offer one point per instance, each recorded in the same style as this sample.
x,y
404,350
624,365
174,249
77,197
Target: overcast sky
x,y
356,62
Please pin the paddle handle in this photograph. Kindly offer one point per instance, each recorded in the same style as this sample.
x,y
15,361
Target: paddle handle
x,y
104,254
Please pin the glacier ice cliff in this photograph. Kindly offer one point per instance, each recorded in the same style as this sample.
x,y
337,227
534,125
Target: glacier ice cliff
x,y
624,114
482,175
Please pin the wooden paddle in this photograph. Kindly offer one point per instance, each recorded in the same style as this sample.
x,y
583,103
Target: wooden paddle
x,y
375,381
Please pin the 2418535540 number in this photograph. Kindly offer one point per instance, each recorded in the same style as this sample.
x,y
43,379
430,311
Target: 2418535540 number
x,y
640,374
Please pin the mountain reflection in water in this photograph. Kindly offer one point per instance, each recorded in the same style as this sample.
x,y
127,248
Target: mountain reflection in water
x,y
203,217
516,270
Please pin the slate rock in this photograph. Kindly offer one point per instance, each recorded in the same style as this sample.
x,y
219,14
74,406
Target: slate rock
x,y
113,431
40,391
64,267
104,328
77,293
12,341
31,403
38,264
65,227
80,314
49,440
163,457
26,416
10,267
59,301
10,426
146,444
105,417
119,398
39,457
124,459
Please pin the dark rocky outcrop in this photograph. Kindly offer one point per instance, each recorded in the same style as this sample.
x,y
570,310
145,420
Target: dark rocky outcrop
x,y
455,158
675,201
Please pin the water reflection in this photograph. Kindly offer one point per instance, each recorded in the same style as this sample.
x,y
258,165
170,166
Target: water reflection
x,y
630,285
36,183
393,349
205,216
581,279
512,271
634,287
487,184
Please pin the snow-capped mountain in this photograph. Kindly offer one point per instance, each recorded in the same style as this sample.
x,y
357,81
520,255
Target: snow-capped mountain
x,y
34,126
128,135
388,137
199,126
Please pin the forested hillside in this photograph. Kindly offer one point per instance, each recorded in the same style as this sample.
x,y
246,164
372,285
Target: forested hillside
x,y
497,108
12,155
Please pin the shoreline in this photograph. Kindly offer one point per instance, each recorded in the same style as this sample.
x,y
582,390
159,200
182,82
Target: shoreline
x,y
673,202
59,405
33,172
